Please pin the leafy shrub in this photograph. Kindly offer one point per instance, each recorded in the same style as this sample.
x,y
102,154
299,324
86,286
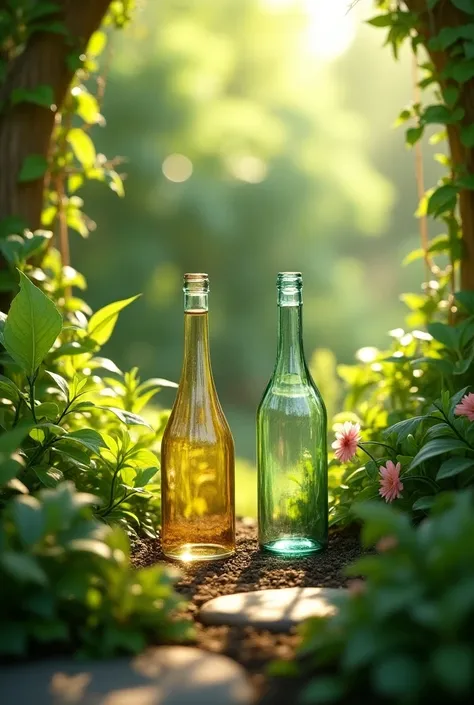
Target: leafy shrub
x,y
405,635
81,409
66,581
435,453
402,384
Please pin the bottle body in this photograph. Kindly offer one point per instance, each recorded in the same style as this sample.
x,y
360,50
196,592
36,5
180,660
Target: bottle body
x,y
292,442
197,454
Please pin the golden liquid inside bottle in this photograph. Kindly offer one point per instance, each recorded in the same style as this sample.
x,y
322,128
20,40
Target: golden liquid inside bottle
x,y
197,460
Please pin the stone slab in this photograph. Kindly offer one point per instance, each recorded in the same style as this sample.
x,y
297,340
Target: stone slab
x,y
276,610
173,675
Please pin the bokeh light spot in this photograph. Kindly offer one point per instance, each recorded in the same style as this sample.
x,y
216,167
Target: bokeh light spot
x,y
177,168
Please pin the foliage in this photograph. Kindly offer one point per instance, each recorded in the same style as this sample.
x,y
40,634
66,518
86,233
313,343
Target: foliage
x,y
435,451
66,581
442,40
405,635
81,409
401,384
75,452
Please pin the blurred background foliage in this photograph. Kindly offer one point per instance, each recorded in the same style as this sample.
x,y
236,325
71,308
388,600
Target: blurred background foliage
x,y
257,138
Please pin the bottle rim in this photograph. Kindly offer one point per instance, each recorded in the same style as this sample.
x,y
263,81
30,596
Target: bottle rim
x,y
289,279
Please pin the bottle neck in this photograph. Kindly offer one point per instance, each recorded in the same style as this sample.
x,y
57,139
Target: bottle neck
x,y
290,355
197,363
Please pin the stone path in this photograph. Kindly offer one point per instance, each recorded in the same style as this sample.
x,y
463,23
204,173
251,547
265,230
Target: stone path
x,y
276,610
171,675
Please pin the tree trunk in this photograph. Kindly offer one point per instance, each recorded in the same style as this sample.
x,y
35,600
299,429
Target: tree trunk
x,y
26,129
445,14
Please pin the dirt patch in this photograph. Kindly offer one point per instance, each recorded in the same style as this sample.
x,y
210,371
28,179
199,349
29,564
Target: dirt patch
x,y
250,569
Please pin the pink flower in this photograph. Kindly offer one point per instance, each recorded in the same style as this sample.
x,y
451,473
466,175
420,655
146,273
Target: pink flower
x,y
347,438
466,407
390,484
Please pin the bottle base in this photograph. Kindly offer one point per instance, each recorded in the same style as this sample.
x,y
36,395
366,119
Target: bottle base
x,y
293,546
190,552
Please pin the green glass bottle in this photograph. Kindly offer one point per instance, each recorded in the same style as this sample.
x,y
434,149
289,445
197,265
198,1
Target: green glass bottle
x,y
292,441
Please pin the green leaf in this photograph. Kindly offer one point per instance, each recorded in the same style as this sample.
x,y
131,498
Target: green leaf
x,y
440,244
32,326
325,689
466,299
461,71
381,20
454,466
447,335
96,44
116,183
404,428
49,477
396,676
126,417
41,10
34,166
143,477
87,108
9,470
443,199
438,446
61,383
413,256
381,520
28,516
87,437
439,114
453,665
23,568
467,135
10,441
424,503
40,95
464,5
47,409
449,35
413,135
102,323
82,146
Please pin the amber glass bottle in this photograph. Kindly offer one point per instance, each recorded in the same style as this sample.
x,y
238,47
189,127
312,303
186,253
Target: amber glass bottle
x,y
197,450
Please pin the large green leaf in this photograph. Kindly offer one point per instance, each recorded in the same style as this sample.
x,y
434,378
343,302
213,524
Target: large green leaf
x,y
126,417
11,440
32,326
454,466
29,519
87,437
437,447
33,167
102,323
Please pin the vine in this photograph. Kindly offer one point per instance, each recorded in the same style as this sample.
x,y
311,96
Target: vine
x,y
441,35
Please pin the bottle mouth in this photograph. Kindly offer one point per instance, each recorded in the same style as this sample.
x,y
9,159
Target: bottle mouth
x,y
196,282
290,280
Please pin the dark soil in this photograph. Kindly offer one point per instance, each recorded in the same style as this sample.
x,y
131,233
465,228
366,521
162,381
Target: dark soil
x,y
250,569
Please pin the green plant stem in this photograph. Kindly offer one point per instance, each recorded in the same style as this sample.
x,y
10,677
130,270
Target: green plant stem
x,y
378,443
110,509
367,453
112,488
453,428
31,383
17,413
